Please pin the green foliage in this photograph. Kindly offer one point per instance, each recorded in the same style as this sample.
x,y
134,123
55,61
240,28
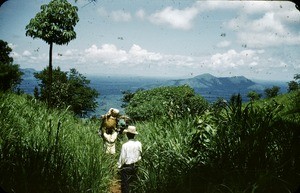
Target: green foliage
x,y
253,95
252,144
10,74
55,23
68,89
127,96
44,150
294,84
272,92
165,101
233,147
165,158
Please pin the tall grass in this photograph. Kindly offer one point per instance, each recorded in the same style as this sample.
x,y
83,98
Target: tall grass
x,y
237,148
45,150
165,158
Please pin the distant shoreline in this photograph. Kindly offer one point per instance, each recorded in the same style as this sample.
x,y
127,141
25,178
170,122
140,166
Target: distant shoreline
x,y
111,87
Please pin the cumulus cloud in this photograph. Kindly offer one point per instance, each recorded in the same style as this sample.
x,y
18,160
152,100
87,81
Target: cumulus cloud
x,y
234,59
107,53
265,24
176,18
139,55
141,13
263,32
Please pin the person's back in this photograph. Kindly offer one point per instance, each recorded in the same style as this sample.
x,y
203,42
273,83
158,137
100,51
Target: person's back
x,y
130,152
110,138
129,157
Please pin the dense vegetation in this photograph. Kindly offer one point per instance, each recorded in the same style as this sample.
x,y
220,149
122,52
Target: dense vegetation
x,y
229,147
164,101
232,147
69,89
54,24
44,150
188,145
10,75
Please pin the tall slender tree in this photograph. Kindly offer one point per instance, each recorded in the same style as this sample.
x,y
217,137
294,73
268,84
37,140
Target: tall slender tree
x,y
55,25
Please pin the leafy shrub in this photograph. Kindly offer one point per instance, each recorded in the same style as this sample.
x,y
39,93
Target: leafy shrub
x,y
68,89
173,102
10,74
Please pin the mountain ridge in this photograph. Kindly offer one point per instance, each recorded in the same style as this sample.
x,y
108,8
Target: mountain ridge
x,y
207,85
212,87
206,81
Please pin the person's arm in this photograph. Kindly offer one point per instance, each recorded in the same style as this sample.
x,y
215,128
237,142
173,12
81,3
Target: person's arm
x,y
106,136
121,158
140,157
114,136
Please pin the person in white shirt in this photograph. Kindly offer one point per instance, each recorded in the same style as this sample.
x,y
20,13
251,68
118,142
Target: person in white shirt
x,y
131,152
108,130
110,137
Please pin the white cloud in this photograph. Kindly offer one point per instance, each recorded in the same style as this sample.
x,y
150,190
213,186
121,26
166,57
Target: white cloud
x,y
108,53
234,59
176,18
141,14
12,46
139,55
26,53
266,24
121,16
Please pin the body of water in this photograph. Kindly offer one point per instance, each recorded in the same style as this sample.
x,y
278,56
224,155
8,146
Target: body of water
x,y
111,88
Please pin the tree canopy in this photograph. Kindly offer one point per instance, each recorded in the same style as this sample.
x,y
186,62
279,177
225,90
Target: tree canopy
x,y
69,89
54,24
165,101
10,74
272,92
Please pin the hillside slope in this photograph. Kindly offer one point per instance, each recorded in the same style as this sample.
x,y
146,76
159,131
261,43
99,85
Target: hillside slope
x,y
212,88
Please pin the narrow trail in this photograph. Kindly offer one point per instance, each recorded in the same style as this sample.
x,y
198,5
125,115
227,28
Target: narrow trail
x,y
115,186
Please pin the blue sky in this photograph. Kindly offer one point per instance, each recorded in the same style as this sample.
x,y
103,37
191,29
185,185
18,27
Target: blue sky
x,y
170,38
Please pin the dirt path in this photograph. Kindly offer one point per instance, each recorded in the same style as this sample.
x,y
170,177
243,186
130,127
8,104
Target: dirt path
x,y
115,186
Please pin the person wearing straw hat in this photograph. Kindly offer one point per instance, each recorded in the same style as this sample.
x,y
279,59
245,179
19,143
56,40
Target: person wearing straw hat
x,y
130,155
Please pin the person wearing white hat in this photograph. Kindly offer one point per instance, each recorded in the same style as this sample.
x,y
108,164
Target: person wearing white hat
x,y
130,155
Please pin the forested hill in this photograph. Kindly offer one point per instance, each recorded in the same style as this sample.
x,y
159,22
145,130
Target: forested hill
x,y
212,87
208,81
207,85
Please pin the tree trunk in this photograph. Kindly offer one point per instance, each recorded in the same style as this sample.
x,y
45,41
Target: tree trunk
x,y
49,92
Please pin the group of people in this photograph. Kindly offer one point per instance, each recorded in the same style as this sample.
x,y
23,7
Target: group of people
x,y
131,150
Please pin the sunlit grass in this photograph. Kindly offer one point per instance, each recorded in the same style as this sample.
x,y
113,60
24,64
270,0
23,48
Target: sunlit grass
x,y
238,149
49,151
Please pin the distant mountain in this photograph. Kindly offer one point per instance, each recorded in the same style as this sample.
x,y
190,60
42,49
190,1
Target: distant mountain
x,y
207,85
28,73
211,87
